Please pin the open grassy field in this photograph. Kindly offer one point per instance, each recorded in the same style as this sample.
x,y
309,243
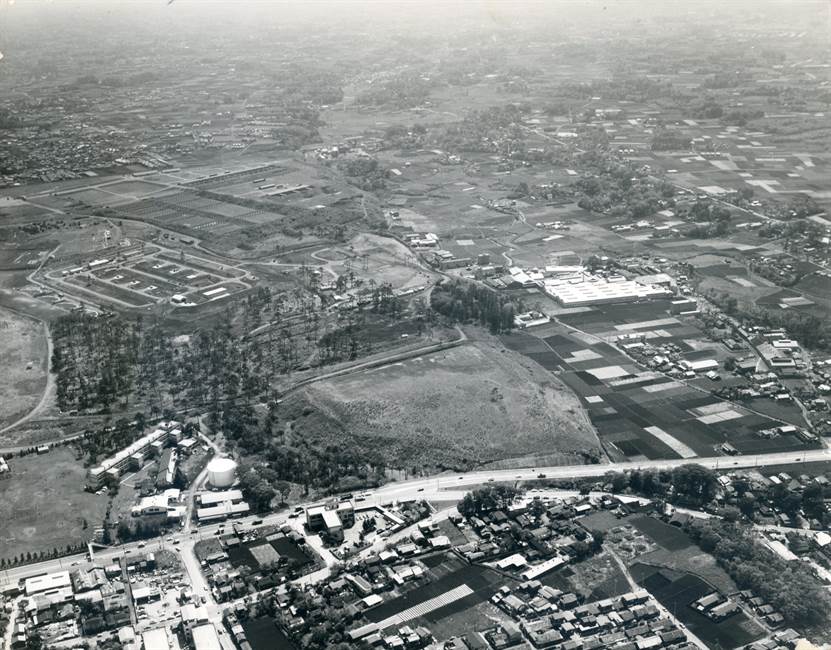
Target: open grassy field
x,y
23,352
457,408
43,504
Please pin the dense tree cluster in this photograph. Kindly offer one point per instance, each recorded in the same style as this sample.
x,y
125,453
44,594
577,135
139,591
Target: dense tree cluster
x,y
623,87
94,359
667,140
619,189
486,499
690,484
286,457
404,90
711,220
406,138
811,331
103,363
789,587
364,172
464,302
495,129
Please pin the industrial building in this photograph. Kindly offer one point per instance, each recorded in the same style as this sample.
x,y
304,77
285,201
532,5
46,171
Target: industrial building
x,y
166,503
166,475
134,455
47,583
205,637
162,638
683,305
220,505
331,520
594,290
445,260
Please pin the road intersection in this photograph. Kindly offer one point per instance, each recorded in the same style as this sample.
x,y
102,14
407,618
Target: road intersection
x,y
444,487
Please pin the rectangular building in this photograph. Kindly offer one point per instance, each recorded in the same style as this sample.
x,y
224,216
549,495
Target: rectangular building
x,y
222,511
593,290
207,499
131,456
205,637
47,583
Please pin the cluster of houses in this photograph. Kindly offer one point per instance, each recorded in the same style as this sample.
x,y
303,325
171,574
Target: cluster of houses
x,y
548,618
365,585
715,607
108,603
239,564
665,357
784,640
765,490
762,608
531,536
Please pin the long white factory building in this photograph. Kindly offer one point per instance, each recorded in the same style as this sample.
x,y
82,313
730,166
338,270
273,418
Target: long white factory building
x,y
594,290
134,455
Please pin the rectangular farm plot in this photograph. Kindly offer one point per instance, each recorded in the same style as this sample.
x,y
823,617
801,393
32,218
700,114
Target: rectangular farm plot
x,y
742,282
676,445
639,378
467,584
428,606
660,388
650,324
608,372
723,416
710,409
582,355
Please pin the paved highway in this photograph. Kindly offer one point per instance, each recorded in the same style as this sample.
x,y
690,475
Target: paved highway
x,y
446,488
443,482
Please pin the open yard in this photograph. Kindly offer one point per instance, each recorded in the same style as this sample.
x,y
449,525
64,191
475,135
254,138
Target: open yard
x,y
458,408
43,504
23,358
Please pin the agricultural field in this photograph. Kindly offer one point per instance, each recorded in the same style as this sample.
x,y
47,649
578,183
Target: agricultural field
x,y
663,559
597,578
460,614
264,634
40,515
24,359
676,590
458,408
642,414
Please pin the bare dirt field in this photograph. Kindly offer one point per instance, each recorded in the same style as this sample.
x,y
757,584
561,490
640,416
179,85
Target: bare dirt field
x,y
23,352
43,504
458,408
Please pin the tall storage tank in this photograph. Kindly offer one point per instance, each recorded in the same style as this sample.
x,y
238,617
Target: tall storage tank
x,y
221,472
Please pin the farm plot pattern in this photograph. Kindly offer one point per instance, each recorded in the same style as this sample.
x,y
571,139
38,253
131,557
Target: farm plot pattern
x,y
642,414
